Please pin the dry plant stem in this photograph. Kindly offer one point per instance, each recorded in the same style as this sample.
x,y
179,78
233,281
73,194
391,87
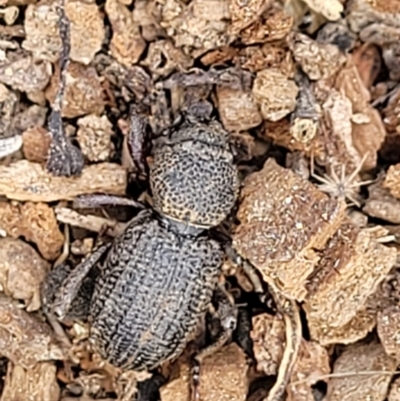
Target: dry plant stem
x,y
291,314
65,252
89,222
348,374
64,158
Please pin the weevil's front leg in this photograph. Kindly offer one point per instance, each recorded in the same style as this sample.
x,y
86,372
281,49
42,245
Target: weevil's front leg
x,y
72,284
64,158
100,200
227,314
136,139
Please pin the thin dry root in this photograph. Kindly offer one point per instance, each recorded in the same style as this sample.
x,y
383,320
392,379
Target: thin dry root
x,y
291,314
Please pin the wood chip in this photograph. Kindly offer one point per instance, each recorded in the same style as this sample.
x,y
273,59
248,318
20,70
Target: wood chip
x,y
36,144
394,393
353,387
237,109
388,330
351,267
36,384
317,60
126,45
312,361
94,137
22,271
24,339
36,222
26,181
392,180
284,219
223,377
275,94
368,133
268,335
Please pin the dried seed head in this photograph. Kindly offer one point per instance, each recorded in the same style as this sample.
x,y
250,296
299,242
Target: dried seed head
x,y
342,186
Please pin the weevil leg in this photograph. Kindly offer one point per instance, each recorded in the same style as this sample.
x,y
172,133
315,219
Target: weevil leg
x,y
148,390
71,285
227,314
100,200
248,268
64,158
137,139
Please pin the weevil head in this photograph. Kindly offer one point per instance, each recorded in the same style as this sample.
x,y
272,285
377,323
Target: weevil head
x,y
193,176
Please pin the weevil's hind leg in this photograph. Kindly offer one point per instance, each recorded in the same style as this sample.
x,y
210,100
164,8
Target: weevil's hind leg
x,y
72,284
137,139
101,200
127,384
227,314
148,390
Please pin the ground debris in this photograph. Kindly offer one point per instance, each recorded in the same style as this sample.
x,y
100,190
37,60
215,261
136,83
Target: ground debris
x,y
26,181
26,74
271,23
10,145
223,377
361,357
35,222
279,234
22,271
24,339
83,91
392,180
381,204
126,44
163,58
312,361
394,393
35,384
318,60
275,94
9,101
41,28
331,10
36,144
94,137
43,37
388,322
197,27
87,30
376,21
350,269
368,131
268,335
237,109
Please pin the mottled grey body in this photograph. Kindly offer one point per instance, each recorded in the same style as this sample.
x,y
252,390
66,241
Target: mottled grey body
x,y
153,289
157,279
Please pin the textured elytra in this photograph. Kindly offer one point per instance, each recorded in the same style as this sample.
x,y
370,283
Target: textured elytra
x,y
154,287
193,177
